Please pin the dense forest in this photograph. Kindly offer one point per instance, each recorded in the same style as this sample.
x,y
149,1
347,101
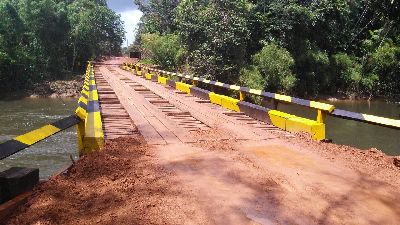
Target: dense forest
x,y
308,47
50,39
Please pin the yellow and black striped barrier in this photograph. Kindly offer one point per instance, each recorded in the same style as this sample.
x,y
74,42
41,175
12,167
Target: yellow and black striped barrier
x,y
87,118
366,118
21,142
282,120
90,130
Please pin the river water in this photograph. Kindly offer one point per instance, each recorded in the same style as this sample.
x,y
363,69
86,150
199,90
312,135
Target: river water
x,y
23,115
53,154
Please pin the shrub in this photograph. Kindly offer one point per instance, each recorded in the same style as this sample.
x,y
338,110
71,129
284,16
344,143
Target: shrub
x,y
271,69
383,65
165,51
347,72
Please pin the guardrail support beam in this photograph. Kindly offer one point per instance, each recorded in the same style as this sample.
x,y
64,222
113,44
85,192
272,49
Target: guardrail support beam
x,y
80,131
242,95
321,115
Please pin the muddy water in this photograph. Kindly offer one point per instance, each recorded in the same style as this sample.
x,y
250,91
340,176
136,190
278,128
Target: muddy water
x,y
50,155
360,135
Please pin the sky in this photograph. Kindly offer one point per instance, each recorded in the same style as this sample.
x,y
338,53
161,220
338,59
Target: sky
x,y
129,14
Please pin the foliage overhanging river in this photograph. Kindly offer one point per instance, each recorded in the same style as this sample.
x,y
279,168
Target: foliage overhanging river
x,y
53,154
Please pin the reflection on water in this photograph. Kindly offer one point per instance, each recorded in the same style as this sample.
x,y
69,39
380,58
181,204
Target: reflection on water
x,y
50,155
360,135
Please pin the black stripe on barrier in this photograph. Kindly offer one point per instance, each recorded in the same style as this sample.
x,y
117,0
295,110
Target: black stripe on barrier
x,y
84,95
255,111
93,106
200,93
154,77
302,102
171,83
66,122
13,146
82,105
226,85
245,89
10,148
92,87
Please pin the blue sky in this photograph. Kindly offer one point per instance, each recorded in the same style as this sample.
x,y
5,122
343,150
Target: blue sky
x,y
129,14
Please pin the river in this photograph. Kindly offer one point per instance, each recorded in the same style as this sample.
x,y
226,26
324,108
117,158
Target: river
x,y
23,115
53,154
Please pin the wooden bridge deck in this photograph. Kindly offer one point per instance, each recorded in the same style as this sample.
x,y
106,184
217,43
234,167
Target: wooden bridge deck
x,y
164,115
116,121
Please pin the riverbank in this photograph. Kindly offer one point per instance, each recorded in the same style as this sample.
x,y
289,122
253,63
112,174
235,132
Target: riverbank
x,y
69,88
58,89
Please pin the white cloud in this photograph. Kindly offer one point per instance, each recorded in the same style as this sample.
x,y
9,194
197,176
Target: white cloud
x,y
131,19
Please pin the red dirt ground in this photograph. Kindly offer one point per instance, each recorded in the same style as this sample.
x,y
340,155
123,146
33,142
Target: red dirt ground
x,y
220,183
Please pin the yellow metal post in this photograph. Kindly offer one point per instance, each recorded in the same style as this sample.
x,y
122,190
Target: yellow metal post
x,y
321,116
242,95
80,131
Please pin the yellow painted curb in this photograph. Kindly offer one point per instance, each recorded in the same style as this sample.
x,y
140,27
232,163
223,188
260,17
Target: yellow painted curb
x,y
279,118
298,124
162,80
215,98
148,76
294,123
183,87
230,103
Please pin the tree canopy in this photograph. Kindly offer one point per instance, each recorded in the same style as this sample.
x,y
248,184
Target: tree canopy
x,y
307,48
48,39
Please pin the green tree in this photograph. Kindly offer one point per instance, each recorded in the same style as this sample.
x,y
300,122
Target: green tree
x,y
165,50
382,70
271,70
346,73
14,61
44,39
96,31
215,34
158,17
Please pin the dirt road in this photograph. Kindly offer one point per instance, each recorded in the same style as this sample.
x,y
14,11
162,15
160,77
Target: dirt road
x,y
226,172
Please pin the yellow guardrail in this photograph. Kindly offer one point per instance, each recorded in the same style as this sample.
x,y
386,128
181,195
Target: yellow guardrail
x,y
87,118
90,130
283,120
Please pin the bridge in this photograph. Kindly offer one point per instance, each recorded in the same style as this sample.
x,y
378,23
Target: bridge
x,y
233,161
